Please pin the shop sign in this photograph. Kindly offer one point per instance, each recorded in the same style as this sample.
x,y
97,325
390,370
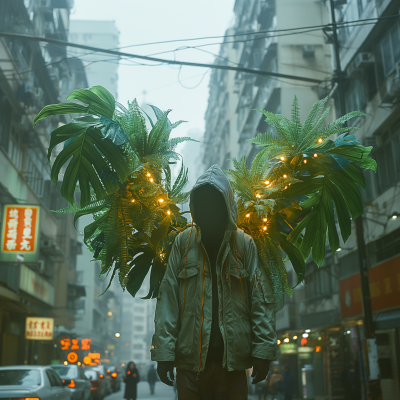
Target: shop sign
x,y
37,328
20,233
73,344
384,284
72,357
288,348
92,359
33,284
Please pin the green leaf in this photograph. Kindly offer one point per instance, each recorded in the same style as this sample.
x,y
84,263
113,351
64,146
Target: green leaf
x,y
141,266
113,130
59,109
295,257
85,162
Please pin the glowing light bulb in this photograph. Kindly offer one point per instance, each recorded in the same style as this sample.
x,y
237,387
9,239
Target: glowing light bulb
x,y
151,180
282,158
294,337
264,228
267,182
169,212
161,254
320,140
247,215
286,340
315,154
161,200
133,200
265,219
305,161
258,196
285,176
148,175
278,341
65,363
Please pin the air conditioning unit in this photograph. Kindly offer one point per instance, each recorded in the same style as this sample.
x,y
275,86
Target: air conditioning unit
x,y
308,51
363,59
37,92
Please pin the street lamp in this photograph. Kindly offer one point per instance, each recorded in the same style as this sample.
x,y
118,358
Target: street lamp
x,y
117,334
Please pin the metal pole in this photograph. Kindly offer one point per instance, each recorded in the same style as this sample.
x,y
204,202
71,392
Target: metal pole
x,y
373,389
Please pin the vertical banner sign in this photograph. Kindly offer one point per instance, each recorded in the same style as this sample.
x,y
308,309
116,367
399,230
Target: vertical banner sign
x,y
20,233
37,328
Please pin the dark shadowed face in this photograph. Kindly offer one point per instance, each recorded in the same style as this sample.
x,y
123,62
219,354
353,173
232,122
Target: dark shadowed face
x,y
210,211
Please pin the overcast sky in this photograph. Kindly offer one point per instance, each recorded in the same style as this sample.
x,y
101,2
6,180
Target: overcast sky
x,y
160,20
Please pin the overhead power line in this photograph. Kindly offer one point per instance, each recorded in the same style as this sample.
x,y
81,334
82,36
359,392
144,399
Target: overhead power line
x,y
159,60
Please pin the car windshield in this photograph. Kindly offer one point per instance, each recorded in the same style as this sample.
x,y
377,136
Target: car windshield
x,y
91,375
65,372
20,377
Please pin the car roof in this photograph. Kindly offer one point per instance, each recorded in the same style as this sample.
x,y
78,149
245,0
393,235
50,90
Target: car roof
x,y
39,367
63,365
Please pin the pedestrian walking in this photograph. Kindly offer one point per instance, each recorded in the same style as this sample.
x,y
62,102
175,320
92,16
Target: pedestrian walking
x,y
288,383
275,384
131,379
152,378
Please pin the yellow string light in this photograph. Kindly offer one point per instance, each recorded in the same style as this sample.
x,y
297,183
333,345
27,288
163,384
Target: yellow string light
x,y
151,180
278,341
148,175
320,140
247,215
267,182
161,200
169,212
315,154
282,158
133,200
265,219
285,176
264,228
305,161
258,196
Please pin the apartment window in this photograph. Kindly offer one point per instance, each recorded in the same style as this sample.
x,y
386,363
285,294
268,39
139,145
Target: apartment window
x,y
356,96
138,346
384,248
5,120
138,328
318,281
139,309
387,157
390,50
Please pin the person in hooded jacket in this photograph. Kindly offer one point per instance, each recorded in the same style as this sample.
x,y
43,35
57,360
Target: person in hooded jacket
x,y
131,379
215,314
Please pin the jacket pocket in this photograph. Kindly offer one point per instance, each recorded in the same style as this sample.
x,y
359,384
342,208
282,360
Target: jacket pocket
x,y
239,289
188,288
185,340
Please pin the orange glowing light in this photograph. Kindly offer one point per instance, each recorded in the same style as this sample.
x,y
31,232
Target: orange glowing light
x,y
75,344
318,349
151,180
65,344
264,228
72,357
247,215
114,374
320,140
85,344
285,176
315,154
72,384
267,182
305,161
303,341
92,359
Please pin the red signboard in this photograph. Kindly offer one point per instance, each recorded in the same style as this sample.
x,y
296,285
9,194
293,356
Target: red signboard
x,y
384,286
19,231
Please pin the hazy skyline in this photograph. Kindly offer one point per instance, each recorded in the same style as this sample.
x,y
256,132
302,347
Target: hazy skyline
x,y
152,21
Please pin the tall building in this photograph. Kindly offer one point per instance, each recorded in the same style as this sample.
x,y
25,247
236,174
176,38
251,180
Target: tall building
x,y
103,34
45,285
230,116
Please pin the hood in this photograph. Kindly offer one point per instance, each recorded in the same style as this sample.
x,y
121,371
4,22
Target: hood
x,y
215,177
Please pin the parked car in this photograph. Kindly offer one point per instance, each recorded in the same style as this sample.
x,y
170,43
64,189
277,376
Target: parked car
x,y
27,381
79,385
116,377
98,388
103,375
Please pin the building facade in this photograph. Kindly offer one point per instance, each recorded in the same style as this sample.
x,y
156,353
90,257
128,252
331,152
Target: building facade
x,y
320,329
31,76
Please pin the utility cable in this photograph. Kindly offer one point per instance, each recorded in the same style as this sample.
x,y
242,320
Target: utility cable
x,y
154,59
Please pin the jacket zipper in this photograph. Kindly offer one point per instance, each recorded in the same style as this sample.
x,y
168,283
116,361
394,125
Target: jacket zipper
x,y
202,312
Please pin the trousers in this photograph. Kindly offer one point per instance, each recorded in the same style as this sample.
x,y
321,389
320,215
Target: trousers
x,y
213,383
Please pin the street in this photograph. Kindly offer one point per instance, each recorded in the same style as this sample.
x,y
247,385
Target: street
x,y
162,392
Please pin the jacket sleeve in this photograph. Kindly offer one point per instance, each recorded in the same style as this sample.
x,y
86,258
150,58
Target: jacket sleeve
x,y
166,318
263,321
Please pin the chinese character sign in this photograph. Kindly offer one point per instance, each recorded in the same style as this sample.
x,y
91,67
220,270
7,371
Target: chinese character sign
x,y
73,344
20,233
39,328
